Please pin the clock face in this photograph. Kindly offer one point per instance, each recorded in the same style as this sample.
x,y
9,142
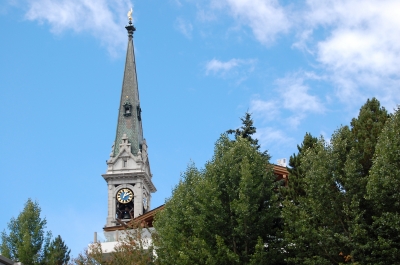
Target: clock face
x,y
124,195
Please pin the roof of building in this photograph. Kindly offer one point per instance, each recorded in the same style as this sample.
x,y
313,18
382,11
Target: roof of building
x,y
146,219
7,261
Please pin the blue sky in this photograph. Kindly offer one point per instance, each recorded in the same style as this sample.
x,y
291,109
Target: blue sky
x,y
297,66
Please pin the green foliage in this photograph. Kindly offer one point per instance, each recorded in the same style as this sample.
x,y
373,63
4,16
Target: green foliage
x,y
383,192
366,130
295,171
57,253
27,241
295,160
246,131
223,214
316,228
328,219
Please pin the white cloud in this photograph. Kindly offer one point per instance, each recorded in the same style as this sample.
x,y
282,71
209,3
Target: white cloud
x,y
266,18
215,66
361,50
184,27
272,138
102,18
356,43
264,110
292,94
295,96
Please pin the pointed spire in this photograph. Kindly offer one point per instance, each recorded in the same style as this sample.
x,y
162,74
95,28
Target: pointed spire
x,y
129,115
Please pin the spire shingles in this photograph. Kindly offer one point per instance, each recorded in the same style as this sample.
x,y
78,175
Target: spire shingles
x,y
129,120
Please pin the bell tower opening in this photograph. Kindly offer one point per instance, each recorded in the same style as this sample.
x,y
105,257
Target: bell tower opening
x,y
127,109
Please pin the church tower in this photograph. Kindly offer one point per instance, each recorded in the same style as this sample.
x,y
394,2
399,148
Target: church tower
x,y
128,173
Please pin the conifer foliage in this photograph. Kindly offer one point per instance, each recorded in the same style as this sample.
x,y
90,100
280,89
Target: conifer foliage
x,y
57,253
246,131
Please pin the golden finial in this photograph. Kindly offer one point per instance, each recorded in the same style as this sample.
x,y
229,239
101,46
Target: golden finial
x,y
130,14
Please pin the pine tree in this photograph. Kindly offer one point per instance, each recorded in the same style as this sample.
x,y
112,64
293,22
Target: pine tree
x,y
246,131
57,253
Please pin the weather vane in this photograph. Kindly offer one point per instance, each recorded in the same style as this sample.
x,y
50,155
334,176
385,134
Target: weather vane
x,y
130,14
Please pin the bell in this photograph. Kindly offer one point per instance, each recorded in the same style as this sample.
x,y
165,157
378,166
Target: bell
x,y
126,215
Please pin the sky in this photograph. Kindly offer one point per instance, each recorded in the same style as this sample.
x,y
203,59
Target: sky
x,y
297,66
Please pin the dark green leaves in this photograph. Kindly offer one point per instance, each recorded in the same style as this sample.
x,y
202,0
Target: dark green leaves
x,y
220,214
343,194
57,253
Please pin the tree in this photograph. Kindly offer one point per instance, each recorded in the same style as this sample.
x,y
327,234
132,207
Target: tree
x,y
57,253
383,193
246,131
366,129
316,228
295,171
224,214
332,221
27,241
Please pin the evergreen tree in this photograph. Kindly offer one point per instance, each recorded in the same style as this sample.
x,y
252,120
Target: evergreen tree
x,y
246,131
57,253
224,214
27,241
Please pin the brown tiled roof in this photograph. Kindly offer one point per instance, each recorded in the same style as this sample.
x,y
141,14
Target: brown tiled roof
x,y
146,219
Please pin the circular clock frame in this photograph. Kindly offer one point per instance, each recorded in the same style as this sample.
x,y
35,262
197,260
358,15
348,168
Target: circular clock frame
x,y
122,194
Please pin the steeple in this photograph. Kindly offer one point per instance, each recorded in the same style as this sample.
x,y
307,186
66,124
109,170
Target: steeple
x,y
129,115
128,175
